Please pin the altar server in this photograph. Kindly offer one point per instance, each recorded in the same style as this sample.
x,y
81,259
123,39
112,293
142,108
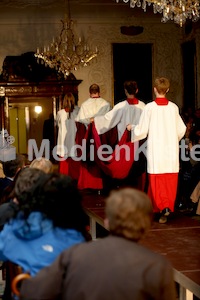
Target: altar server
x,y
161,123
124,113
90,176
65,147
93,106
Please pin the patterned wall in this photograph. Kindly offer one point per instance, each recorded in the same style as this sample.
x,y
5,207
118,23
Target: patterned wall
x,y
23,30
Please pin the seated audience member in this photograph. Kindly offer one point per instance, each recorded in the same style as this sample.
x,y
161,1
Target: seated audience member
x,y
50,219
9,209
10,169
189,174
115,267
43,164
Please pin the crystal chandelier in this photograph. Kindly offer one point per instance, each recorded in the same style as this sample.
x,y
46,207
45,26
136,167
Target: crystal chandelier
x,y
175,10
67,52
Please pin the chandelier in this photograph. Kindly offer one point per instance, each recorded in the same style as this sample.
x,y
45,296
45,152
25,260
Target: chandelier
x,y
175,10
67,52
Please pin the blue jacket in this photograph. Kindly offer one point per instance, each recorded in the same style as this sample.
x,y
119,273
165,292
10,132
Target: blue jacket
x,y
34,243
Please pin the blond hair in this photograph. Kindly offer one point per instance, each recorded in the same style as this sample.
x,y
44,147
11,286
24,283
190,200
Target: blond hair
x,y
43,164
129,212
162,85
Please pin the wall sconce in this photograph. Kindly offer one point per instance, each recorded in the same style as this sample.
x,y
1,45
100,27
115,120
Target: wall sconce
x,y
38,109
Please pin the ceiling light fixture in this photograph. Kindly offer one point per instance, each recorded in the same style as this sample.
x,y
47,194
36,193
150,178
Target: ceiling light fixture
x,y
67,52
175,10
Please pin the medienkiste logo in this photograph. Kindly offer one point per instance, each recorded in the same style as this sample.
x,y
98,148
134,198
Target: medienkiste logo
x,y
7,151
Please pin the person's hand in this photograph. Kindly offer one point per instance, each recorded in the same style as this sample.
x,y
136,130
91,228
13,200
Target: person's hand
x,y
91,120
190,145
129,127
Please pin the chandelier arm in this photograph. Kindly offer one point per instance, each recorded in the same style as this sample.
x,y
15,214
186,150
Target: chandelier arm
x,y
67,52
176,10
68,9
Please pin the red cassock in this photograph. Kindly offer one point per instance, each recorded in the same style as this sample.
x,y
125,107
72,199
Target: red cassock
x,y
70,167
116,164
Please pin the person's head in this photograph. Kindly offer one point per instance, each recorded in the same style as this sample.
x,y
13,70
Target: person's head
x,y
43,164
55,195
161,86
51,117
25,183
62,202
69,102
130,87
128,213
94,90
11,167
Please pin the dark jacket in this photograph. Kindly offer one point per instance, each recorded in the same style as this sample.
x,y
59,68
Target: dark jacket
x,y
111,268
5,183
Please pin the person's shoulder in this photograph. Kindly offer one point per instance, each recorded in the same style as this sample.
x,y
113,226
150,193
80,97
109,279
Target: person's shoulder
x,y
121,104
4,207
171,103
141,103
60,112
149,105
87,101
5,181
103,100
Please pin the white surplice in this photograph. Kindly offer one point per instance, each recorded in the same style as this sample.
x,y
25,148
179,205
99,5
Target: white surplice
x,y
121,115
164,128
91,108
66,132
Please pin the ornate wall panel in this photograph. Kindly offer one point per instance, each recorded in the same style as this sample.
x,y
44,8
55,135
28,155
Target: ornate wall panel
x,y
23,32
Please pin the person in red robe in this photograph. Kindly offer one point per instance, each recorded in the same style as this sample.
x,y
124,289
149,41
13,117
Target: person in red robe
x,y
163,126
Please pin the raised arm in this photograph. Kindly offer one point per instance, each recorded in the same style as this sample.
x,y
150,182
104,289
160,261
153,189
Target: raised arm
x,y
109,120
140,131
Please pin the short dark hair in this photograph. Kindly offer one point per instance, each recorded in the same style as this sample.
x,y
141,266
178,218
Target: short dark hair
x,y
11,167
94,89
62,201
131,87
26,181
54,195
